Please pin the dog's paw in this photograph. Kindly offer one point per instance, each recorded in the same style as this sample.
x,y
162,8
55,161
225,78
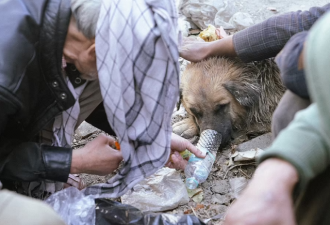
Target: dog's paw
x,y
185,128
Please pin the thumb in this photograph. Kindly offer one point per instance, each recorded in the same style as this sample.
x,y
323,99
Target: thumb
x,y
178,161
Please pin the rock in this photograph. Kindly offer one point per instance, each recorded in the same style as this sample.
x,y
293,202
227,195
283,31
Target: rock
x,y
194,31
261,142
85,129
221,187
237,185
214,210
221,199
208,183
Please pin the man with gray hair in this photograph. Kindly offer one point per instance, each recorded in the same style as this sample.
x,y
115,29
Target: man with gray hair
x,y
48,86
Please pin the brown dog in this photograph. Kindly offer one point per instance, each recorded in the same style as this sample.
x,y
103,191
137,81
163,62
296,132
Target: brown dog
x,y
226,95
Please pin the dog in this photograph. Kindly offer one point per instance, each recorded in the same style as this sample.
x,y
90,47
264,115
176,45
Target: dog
x,y
228,95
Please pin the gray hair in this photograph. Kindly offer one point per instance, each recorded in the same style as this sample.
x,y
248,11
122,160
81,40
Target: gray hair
x,y
86,13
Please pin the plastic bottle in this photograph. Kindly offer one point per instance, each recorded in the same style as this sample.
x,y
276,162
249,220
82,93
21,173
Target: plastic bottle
x,y
198,169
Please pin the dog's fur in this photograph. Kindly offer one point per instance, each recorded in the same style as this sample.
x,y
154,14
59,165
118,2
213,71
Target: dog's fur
x,y
226,94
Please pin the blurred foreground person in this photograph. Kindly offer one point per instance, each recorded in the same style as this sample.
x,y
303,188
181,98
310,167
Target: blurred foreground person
x,y
291,184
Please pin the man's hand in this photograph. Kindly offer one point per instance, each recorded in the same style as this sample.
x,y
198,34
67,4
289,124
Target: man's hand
x,y
179,144
97,157
267,200
221,33
194,50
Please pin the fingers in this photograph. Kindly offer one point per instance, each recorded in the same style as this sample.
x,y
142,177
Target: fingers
x,y
193,149
221,33
176,162
180,144
108,140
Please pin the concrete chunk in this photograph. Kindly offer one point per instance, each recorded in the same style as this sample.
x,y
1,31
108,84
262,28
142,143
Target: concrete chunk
x,y
261,142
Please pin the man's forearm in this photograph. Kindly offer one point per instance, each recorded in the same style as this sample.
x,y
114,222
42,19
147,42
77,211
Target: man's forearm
x,y
222,47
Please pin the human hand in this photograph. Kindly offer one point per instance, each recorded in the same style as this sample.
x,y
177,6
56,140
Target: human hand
x,y
221,33
97,157
179,144
194,50
267,200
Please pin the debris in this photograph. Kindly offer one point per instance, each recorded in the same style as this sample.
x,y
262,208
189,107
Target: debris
x,y
194,31
262,142
73,206
232,167
241,20
85,130
220,216
196,195
237,185
209,34
220,186
245,156
199,206
205,12
162,191
272,9
221,199
216,209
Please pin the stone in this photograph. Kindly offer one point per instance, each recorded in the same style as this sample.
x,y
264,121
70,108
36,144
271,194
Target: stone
x,y
261,142
221,186
221,199
214,210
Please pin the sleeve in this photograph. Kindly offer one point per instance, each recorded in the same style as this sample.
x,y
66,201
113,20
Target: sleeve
x,y
287,61
266,39
303,144
30,161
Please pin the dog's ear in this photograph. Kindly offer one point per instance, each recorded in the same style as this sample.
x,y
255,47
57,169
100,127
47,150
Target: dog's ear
x,y
179,102
246,94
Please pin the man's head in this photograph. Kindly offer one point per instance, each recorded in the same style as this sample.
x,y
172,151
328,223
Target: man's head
x,y
79,47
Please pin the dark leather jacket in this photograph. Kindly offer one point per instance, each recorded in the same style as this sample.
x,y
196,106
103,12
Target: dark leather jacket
x,y
32,88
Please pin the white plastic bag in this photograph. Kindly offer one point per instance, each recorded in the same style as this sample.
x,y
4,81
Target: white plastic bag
x,y
241,20
162,191
205,12
73,206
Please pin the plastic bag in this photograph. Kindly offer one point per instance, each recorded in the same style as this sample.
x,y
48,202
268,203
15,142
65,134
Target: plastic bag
x,y
110,212
241,20
162,191
205,12
73,206
77,209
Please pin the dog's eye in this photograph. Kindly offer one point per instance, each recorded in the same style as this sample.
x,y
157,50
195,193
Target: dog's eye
x,y
196,112
220,107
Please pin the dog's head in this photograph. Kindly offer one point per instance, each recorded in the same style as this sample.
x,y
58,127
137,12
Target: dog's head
x,y
217,94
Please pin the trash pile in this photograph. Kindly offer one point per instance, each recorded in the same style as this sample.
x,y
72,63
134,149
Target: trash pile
x,y
200,14
163,197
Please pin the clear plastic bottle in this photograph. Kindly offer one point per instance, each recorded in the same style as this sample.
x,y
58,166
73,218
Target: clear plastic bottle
x,y
198,169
